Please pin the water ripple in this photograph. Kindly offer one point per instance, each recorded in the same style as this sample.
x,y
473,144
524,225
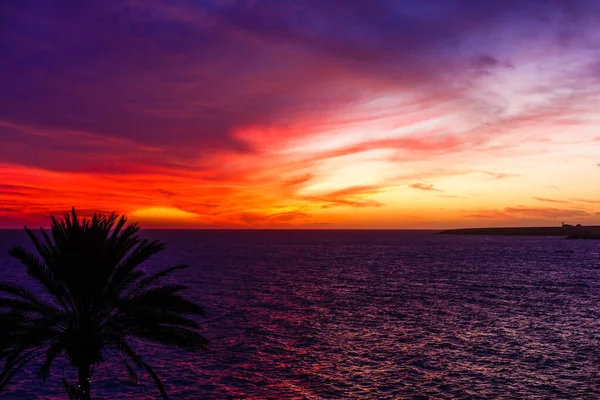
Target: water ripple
x,y
373,315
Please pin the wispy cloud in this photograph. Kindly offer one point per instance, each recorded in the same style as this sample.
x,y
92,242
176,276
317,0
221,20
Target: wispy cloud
x,y
500,175
424,186
527,213
551,200
586,201
532,212
300,180
278,218
486,214
356,196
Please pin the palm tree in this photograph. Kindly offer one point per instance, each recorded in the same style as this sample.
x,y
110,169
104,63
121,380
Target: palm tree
x,y
97,300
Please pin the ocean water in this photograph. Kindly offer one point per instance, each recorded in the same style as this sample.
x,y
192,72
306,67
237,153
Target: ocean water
x,y
369,315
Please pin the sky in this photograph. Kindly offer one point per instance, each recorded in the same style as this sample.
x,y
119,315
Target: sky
x,y
301,114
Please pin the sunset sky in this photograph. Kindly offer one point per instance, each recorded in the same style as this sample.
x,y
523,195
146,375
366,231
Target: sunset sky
x,y
306,114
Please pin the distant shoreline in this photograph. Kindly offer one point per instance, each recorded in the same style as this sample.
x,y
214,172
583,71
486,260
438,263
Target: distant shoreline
x,y
572,232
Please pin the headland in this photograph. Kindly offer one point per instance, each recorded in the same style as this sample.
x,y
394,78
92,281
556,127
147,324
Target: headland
x,y
566,230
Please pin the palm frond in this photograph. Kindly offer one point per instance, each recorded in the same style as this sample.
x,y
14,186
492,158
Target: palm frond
x,y
156,380
172,336
155,278
158,292
132,376
48,245
20,291
124,237
11,369
140,254
37,270
117,228
166,318
70,389
132,354
26,306
53,351
43,249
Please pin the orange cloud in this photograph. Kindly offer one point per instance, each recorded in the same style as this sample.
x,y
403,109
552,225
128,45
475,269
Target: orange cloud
x,y
276,219
587,201
525,213
356,196
545,212
487,214
551,200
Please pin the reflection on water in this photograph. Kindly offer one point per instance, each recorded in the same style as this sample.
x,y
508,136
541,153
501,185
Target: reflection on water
x,y
372,315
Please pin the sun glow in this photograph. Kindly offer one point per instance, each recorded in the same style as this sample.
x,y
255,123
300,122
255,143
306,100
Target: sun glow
x,y
163,213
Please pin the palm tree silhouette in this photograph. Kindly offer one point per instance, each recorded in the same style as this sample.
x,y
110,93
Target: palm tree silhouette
x,y
97,300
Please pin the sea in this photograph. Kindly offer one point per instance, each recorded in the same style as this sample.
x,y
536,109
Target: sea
x,y
330,314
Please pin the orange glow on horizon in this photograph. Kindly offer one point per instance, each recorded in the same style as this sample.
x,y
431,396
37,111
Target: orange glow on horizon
x,y
163,213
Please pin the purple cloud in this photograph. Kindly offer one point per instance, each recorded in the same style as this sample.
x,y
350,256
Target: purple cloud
x,y
173,81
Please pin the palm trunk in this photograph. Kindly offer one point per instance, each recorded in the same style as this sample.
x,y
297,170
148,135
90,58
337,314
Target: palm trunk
x,y
84,383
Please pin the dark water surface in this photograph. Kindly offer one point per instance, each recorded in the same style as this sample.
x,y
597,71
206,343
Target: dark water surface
x,y
370,315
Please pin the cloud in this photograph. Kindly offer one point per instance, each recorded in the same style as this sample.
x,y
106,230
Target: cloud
x,y
329,203
586,201
356,190
529,213
277,218
417,146
500,175
551,200
424,186
486,214
355,196
299,180
532,212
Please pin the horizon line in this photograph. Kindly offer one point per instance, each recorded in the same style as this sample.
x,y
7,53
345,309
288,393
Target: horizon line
x,y
322,229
